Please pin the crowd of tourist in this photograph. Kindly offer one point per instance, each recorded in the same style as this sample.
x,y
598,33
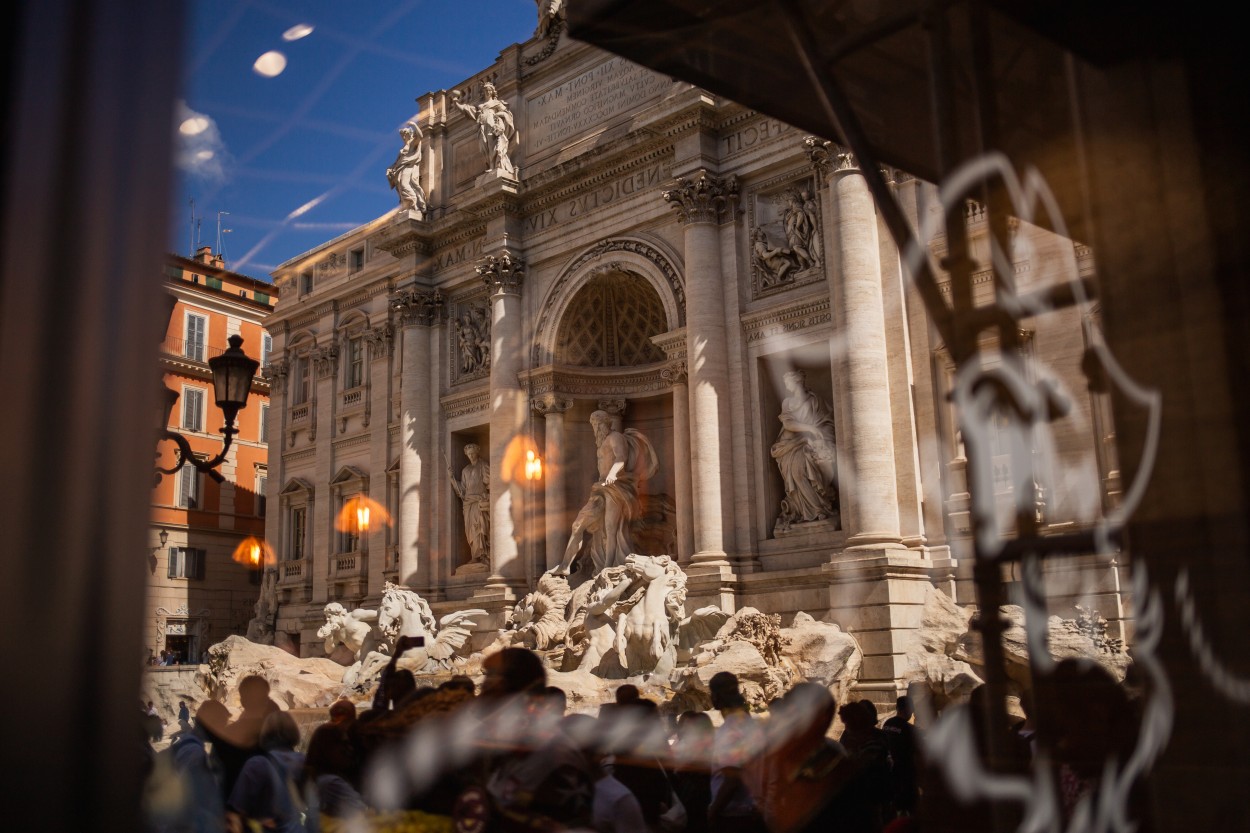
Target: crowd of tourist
x,y
506,756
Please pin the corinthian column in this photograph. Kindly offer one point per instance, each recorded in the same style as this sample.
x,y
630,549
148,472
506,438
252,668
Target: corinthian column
x,y
701,202
418,310
869,490
503,275
556,524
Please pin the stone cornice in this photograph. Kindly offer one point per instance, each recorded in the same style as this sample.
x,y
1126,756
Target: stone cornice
x,y
310,316
673,343
466,402
298,456
810,312
702,198
404,236
351,442
596,383
367,293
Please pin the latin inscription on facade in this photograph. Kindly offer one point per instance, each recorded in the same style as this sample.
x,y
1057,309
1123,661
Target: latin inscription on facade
x,y
588,101
471,251
758,131
611,191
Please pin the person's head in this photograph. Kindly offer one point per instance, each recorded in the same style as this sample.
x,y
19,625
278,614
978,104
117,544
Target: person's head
x,y
211,717
401,684
694,733
725,692
796,380
627,693
279,731
553,700
459,681
472,450
330,752
807,709
488,89
904,707
855,717
512,671
254,692
870,710
342,711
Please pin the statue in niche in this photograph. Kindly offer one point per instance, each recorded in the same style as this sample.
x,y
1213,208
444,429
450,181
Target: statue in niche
x,y
550,16
496,129
800,230
603,528
806,455
473,489
404,174
774,263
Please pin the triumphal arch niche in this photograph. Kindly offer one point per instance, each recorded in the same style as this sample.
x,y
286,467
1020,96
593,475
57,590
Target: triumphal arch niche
x,y
604,343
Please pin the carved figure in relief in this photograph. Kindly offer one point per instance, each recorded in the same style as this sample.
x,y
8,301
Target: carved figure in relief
x,y
774,263
468,343
602,529
806,455
473,489
496,128
799,230
811,209
260,628
404,613
404,174
550,15
481,334
353,629
473,338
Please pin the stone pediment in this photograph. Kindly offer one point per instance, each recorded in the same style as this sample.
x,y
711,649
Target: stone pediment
x,y
296,485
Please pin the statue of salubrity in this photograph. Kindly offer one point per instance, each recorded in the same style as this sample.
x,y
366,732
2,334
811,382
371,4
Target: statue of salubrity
x,y
473,489
496,129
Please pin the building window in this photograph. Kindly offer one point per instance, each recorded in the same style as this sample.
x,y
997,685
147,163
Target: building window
x,y
262,486
193,409
299,526
186,562
195,336
356,259
299,381
262,433
355,363
266,347
305,283
189,487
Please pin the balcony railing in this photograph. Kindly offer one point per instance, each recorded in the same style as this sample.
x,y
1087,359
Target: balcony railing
x,y
347,565
291,572
299,412
353,397
196,351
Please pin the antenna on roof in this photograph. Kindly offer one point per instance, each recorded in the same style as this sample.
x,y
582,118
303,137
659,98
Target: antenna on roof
x,y
193,224
219,213
222,248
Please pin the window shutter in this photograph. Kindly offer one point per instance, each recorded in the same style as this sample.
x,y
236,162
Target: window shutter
x,y
175,555
193,409
196,567
190,480
196,327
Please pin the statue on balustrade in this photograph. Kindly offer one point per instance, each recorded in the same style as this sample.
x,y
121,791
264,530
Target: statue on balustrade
x,y
603,529
806,456
496,129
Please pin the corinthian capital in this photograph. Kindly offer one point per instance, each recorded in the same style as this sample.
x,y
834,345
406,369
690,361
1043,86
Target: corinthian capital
x,y
702,198
502,273
417,306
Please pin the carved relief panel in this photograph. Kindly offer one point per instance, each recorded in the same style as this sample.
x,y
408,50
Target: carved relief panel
x,y
470,338
785,234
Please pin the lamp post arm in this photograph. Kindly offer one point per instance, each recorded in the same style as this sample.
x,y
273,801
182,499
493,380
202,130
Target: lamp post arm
x,y
187,457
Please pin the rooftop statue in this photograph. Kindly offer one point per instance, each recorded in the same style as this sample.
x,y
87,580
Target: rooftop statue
x,y
496,129
404,174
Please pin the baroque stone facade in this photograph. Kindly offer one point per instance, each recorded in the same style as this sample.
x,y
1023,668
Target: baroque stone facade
x,y
708,276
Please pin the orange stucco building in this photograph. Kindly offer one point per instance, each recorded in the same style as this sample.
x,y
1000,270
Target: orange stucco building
x,y
197,594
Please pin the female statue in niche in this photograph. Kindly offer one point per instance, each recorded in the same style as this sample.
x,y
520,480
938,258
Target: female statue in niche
x,y
806,455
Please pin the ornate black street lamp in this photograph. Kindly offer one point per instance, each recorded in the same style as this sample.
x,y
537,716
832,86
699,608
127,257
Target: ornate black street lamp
x,y
232,371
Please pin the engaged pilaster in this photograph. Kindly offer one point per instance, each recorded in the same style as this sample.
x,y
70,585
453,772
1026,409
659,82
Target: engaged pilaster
x,y
418,310
503,275
702,202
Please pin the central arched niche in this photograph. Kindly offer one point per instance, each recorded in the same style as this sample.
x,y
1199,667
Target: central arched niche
x,y
610,322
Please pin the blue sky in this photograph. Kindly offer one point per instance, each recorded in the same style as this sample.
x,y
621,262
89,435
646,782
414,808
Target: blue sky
x,y
318,135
